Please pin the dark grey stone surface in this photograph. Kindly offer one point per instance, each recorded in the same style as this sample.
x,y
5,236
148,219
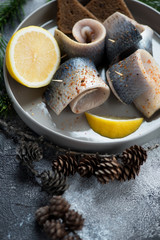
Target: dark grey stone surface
x,y
128,210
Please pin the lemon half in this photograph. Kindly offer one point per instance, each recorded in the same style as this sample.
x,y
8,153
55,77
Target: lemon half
x,y
113,128
32,56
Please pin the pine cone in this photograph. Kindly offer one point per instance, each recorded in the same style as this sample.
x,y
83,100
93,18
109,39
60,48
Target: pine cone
x,y
53,183
55,229
66,164
134,156
42,215
108,169
73,220
129,172
74,237
58,207
88,165
29,152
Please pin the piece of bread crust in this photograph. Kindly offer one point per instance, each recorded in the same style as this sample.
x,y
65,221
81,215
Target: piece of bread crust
x,y
69,12
102,9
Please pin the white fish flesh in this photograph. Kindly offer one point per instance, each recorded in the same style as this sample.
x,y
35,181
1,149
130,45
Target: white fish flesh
x,y
146,42
82,88
147,36
90,40
149,102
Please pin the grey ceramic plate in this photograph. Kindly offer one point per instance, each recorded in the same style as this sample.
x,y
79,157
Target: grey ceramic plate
x,y
70,130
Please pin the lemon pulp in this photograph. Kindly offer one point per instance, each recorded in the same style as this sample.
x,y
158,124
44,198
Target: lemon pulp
x,y
32,56
113,128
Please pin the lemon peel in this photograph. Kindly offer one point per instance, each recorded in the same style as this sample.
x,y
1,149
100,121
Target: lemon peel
x,y
32,56
113,128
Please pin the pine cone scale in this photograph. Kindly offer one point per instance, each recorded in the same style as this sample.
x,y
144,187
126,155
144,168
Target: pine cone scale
x,y
66,164
132,159
53,183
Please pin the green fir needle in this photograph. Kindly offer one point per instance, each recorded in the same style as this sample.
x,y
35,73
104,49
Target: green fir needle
x,y
3,44
10,10
153,3
5,103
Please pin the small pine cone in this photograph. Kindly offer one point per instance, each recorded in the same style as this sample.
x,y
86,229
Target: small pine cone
x,y
66,164
58,207
129,172
53,183
134,156
74,237
55,229
73,220
88,165
42,215
108,169
29,152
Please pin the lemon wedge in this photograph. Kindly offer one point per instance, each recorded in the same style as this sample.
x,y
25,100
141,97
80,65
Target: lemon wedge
x,y
113,128
32,56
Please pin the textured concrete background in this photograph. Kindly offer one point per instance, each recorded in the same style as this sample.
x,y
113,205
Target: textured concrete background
x,y
117,211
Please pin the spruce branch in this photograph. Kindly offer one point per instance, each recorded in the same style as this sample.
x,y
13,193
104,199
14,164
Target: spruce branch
x,y
3,44
10,10
5,103
154,3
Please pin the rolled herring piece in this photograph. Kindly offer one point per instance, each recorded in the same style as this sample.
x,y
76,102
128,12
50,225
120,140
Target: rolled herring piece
x,y
129,78
149,102
90,40
121,37
125,36
82,88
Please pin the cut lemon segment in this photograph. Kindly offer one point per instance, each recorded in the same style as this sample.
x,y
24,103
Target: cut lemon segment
x,y
32,56
113,128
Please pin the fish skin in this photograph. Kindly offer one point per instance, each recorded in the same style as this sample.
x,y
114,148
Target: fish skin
x,y
127,78
121,36
93,50
80,77
149,102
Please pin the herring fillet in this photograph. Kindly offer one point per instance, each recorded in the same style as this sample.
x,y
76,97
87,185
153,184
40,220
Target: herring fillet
x,y
137,79
82,88
128,78
149,102
122,36
88,30
89,40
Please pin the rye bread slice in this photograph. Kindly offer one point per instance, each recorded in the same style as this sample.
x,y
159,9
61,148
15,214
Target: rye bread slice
x,y
69,12
102,9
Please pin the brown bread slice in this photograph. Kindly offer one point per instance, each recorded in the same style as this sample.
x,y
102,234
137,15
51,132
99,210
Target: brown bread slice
x,y
102,9
69,12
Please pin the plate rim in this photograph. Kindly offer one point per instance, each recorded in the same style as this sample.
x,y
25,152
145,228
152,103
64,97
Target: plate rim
x,y
115,144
